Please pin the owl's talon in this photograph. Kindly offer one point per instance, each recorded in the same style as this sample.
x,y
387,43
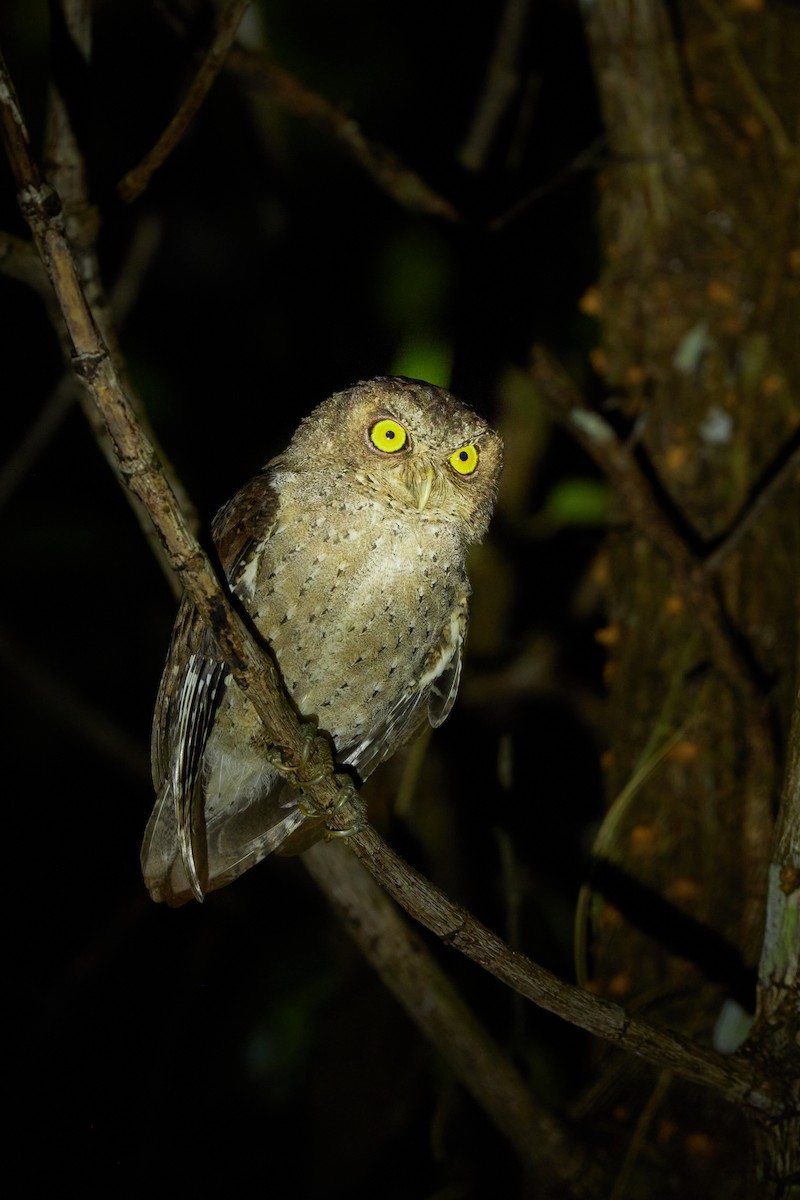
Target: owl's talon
x,y
275,758
308,808
309,737
330,834
348,794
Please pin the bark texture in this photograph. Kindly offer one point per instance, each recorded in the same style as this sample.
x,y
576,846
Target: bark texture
x,y
700,354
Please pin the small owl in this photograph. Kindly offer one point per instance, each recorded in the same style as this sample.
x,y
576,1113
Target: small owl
x,y
347,551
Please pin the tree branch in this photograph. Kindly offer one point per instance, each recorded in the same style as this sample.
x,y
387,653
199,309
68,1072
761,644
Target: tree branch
x,y
784,469
626,476
501,82
136,180
692,580
383,166
734,1078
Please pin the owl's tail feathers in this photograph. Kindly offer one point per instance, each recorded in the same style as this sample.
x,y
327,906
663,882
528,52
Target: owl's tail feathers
x,y
237,839
161,863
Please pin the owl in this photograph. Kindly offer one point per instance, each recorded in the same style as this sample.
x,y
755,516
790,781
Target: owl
x,y
348,553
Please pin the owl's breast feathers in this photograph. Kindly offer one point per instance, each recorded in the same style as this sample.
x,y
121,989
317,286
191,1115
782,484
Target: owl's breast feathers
x,y
364,605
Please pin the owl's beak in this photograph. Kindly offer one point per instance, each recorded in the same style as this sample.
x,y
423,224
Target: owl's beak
x,y
419,481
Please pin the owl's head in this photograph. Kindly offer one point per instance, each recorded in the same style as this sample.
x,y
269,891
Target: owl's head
x,y
411,444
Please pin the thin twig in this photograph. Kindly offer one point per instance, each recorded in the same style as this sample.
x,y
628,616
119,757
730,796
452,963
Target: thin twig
x,y
71,32
584,160
136,180
643,1123
502,81
255,673
383,166
777,475
650,761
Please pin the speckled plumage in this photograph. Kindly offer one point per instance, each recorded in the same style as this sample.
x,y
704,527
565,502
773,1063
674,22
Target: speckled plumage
x,y
350,560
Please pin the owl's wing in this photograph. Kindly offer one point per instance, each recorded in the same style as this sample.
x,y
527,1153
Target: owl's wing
x,y
191,683
187,851
431,698
444,672
190,692
243,525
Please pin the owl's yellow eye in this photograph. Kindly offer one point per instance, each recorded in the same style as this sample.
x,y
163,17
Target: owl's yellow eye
x,y
465,460
388,435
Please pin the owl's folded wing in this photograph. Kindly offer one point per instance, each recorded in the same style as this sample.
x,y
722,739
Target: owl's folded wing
x,y
175,849
243,525
239,530
190,692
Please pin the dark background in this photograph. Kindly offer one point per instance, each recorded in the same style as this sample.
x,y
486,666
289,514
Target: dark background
x,y
245,1042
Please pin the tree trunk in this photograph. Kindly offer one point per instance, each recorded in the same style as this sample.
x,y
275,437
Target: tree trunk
x,y
700,356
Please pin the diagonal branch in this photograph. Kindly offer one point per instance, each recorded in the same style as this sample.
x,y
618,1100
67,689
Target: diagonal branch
x,y
390,174
783,470
631,485
66,171
136,180
693,580
383,166
501,83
